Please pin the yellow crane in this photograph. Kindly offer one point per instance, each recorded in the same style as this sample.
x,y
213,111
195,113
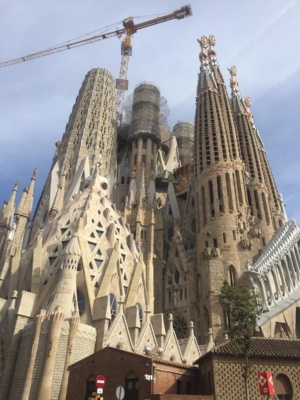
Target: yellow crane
x,y
129,28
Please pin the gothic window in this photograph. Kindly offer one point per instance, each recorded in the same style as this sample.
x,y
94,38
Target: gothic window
x,y
203,205
220,193
211,198
140,312
144,158
180,327
193,225
239,186
224,237
122,180
265,208
176,276
257,204
215,242
113,307
144,143
229,192
80,302
232,279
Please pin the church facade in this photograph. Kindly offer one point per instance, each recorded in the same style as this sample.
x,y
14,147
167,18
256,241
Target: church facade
x,y
135,232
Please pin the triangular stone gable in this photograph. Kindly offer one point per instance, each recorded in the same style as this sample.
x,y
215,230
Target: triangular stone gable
x,y
192,351
118,334
172,348
146,337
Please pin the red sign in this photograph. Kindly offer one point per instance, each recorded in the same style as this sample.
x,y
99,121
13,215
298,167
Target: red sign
x,y
100,381
265,383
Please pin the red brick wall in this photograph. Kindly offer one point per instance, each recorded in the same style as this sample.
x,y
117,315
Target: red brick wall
x,y
116,364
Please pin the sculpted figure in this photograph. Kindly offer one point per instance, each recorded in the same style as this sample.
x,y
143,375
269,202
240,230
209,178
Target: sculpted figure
x,y
203,44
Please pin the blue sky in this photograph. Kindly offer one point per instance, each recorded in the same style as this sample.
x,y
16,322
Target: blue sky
x,y
260,37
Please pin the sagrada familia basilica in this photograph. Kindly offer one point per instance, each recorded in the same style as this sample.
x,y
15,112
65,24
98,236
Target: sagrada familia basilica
x,y
135,232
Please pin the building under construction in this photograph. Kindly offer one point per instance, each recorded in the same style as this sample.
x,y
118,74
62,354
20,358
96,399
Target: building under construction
x,y
135,232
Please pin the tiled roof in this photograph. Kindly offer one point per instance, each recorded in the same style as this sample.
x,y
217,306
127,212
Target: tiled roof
x,y
263,347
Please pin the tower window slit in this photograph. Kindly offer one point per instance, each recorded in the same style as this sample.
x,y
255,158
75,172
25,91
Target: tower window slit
x,y
203,205
239,186
257,204
265,208
229,192
220,193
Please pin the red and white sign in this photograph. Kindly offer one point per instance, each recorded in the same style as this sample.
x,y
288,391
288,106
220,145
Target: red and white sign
x,y
100,381
265,384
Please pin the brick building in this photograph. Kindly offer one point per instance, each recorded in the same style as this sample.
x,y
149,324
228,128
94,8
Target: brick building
x,y
220,371
141,376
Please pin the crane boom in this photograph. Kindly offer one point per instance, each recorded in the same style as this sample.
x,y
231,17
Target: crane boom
x,y
183,12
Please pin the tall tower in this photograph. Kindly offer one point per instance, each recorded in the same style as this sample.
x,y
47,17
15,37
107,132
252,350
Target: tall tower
x,y
89,139
219,185
250,145
144,139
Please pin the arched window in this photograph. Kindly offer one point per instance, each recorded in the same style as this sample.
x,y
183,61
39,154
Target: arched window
x,y
90,386
232,277
80,302
113,307
140,311
283,387
144,158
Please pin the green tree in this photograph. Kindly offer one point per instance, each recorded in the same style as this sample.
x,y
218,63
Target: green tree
x,y
243,307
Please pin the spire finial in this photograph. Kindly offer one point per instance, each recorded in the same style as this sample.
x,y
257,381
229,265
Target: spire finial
x,y
233,82
211,50
203,44
34,174
247,101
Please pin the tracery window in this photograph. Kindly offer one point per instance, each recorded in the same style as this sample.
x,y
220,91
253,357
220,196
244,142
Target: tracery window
x,y
180,327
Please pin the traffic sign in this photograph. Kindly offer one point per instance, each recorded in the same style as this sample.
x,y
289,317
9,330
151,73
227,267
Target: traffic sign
x,y
120,393
100,381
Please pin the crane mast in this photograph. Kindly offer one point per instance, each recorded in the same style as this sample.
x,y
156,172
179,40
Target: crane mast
x,y
126,49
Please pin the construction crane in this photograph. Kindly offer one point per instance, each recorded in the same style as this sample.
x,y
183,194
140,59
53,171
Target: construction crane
x,y
126,49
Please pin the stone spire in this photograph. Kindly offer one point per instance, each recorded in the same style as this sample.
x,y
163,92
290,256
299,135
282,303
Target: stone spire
x,y
7,226
8,209
219,185
24,210
263,196
257,192
59,197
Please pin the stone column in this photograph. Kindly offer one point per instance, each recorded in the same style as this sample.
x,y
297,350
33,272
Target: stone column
x,y
69,356
56,322
39,319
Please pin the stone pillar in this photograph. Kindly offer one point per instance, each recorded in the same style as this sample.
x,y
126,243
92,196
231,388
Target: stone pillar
x,y
69,356
56,322
39,319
